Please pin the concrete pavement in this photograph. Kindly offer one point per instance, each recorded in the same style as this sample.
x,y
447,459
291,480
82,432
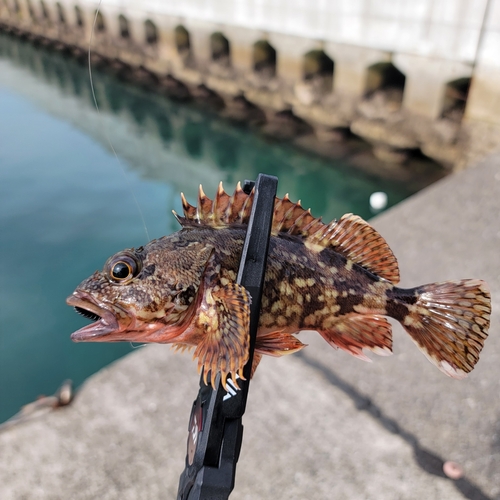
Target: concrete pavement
x,y
319,424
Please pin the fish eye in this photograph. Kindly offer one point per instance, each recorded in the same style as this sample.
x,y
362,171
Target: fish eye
x,y
122,268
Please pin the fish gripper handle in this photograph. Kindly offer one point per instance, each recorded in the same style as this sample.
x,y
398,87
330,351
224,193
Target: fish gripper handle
x,y
215,431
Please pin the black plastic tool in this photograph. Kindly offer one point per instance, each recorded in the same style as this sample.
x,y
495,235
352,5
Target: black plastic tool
x,y
215,428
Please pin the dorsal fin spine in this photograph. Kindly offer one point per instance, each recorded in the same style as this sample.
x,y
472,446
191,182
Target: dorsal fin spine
x,y
204,206
235,205
220,205
298,221
189,210
312,224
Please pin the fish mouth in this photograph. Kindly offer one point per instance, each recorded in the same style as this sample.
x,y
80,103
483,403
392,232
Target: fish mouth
x,y
86,314
104,319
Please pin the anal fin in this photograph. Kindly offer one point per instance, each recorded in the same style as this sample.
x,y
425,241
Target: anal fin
x,y
355,333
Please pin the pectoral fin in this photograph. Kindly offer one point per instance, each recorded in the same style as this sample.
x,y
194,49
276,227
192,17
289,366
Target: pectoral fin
x,y
224,319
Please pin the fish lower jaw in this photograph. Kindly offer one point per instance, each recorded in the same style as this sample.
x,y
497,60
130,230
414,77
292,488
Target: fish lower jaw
x,y
96,332
133,330
105,322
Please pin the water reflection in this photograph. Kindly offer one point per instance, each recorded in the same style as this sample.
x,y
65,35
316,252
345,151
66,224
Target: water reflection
x,y
192,136
205,147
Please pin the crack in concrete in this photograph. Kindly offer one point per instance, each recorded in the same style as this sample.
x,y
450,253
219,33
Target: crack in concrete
x,y
425,459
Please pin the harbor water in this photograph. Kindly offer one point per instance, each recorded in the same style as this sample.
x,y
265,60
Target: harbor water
x,y
79,182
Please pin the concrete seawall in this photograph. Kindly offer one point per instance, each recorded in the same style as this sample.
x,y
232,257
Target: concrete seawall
x,y
61,87
403,79
320,424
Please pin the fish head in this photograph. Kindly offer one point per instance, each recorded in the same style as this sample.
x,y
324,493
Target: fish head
x,y
141,295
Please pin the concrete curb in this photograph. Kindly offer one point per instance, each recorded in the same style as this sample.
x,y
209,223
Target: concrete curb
x,y
319,424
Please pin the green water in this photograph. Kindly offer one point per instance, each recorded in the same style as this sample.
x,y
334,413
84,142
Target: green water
x,y
67,202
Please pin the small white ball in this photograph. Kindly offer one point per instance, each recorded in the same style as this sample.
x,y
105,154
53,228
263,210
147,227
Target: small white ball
x,y
378,200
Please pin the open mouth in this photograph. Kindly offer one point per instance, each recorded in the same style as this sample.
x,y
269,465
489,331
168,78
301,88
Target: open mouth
x,y
86,314
104,321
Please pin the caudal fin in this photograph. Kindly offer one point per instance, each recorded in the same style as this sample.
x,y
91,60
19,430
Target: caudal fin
x,y
449,322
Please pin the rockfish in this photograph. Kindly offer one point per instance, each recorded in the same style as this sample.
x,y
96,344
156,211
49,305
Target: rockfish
x,y
338,279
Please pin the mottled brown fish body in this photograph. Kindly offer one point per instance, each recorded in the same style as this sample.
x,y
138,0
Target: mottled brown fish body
x,y
338,279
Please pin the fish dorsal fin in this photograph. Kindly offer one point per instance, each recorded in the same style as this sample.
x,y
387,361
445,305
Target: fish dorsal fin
x,y
226,210
354,238
223,211
350,236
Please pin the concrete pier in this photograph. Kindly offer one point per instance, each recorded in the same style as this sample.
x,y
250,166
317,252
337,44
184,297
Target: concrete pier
x,y
320,424
336,67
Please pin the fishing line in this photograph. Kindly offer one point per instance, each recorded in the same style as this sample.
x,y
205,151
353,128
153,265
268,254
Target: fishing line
x,y
133,346
122,168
